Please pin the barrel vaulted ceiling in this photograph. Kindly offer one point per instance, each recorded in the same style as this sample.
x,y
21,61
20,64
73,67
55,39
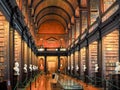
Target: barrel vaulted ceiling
x,y
53,18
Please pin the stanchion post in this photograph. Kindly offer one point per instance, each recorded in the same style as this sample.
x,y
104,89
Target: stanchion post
x,y
30,85
35,82
104,84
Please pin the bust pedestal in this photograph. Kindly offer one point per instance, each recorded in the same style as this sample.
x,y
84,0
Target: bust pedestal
x,y
98,79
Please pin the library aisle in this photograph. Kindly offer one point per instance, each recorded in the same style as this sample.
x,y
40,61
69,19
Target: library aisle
x,y
44,83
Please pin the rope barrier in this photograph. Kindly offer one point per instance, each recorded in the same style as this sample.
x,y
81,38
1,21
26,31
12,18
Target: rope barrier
x,y
109,83
16,86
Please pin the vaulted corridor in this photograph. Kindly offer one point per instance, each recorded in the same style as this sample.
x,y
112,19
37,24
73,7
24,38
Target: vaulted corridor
x,y
59,44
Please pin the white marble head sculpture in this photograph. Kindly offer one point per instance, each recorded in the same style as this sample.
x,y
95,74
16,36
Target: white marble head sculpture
x,y
16,69
84,67
77,67
117,68
96,67
30,67
72,68
68,68
34,67
25,68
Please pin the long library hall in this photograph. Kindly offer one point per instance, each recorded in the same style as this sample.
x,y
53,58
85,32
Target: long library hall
x,y
59,44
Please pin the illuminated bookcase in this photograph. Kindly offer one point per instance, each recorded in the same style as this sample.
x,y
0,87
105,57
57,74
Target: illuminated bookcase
x,y
92,57
4,33
76,59
29,55
82,59
110,52
25,53
108,3
73,33
72,66
93,16
84,21
94,10
77,28
68,64
17,47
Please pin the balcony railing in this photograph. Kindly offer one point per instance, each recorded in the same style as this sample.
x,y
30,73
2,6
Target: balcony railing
x,y
84,35
93,26
113,9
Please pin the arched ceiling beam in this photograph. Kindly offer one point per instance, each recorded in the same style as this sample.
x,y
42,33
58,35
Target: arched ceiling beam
x,y
51,9
52,20
52,14
74,3
60,3
60,19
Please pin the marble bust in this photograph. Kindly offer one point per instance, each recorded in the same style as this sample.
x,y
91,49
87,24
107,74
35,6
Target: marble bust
x,y
25,68
84,67
77,68
96,67
16,69
117,68
30,68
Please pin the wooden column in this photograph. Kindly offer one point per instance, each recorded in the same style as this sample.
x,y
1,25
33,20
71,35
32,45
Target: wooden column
x,y
45,66
58,63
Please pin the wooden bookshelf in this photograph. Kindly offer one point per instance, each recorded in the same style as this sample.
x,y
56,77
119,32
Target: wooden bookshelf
x,y
72,62
107,4
77,28
92,57
84,21
76,60
82,59
17,46
110,52
4,32
94,10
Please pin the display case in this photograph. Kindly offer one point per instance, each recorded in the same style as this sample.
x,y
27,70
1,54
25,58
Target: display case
x,y
4,33
92,57
82,60
110,52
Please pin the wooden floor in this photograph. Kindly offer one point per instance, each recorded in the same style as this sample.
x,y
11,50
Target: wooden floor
x,y
44,83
